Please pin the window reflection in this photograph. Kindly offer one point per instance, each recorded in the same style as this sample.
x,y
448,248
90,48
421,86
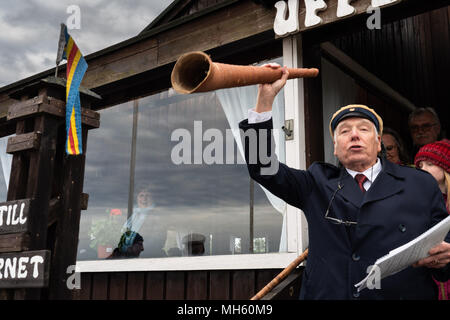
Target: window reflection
x,y
196,207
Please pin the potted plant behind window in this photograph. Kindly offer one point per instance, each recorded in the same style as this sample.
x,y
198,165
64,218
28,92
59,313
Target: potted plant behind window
x,y
105,234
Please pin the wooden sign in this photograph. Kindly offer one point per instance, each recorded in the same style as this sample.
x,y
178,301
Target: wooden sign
x,y
25,269
297,15
14,216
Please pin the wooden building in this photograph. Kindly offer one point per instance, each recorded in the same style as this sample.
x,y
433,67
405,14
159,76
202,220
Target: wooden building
x,y
151,139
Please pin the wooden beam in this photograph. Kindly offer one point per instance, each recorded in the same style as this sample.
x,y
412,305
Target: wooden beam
x,y
49,105
84,200
54,210
230,24
314,146
23,142
65,248
14,242
364,76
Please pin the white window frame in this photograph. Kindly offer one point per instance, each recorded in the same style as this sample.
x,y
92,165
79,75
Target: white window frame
x,y
296,223
297,227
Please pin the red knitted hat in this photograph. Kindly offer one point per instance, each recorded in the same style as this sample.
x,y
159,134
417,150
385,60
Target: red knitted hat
x,y
437,153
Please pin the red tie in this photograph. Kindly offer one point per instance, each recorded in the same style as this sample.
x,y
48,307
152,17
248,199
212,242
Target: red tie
x,y
360,178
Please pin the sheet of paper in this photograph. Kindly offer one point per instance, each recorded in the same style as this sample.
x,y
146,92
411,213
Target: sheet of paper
x,y
407,254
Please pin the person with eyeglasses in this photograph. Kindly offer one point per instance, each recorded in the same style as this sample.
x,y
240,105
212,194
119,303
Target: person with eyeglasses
x,y
395,150
356,213
424,127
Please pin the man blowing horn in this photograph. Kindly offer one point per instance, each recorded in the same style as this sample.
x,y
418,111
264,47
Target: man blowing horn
x,y
356,213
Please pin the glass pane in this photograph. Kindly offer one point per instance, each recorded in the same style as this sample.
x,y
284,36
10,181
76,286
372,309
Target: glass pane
x,y
191,187
5,160
106,181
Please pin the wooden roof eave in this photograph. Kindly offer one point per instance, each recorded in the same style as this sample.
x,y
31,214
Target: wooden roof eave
x,y
167,15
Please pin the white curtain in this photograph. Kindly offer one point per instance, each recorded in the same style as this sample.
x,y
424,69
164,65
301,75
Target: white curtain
x,y
236,102
338,90
6,160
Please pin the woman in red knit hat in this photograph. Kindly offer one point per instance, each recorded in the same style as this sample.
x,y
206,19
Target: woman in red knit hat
x,y
435,158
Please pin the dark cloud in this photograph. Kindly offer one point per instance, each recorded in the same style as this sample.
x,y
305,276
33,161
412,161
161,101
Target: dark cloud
x,y
30,30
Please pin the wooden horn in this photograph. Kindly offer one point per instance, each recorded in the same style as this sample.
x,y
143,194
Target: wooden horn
x,y
196,72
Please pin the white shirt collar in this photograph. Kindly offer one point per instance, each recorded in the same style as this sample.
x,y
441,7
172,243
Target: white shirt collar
x,y
370,173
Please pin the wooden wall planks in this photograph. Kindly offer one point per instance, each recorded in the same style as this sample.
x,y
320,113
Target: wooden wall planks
x,y
135,286
410,55
219,285
118,286
197,285
174,285
155,286
100,287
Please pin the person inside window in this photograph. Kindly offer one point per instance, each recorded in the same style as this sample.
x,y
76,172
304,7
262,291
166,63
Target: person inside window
x,y
194,244
131,244
395,150
148,219
144,205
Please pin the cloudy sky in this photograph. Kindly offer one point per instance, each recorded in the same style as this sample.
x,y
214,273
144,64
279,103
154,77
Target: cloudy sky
x,y
29,30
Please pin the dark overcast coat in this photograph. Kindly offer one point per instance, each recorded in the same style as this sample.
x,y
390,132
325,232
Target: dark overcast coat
x,y
401,204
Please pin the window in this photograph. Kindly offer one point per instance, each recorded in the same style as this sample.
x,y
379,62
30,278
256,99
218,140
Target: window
x,y
167,168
